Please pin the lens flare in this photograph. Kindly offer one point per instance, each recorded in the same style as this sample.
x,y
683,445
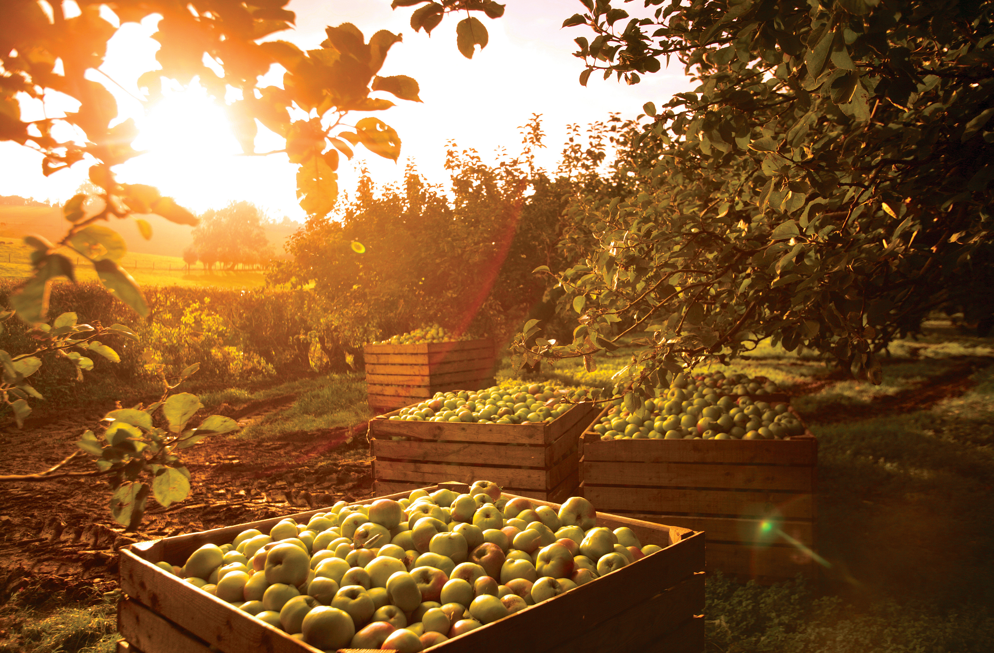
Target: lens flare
x,y
358,247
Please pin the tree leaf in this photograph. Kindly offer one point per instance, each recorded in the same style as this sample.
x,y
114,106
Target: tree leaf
x,y
97,242
786,231
170,210
131,416
764,144
317,187
88,442
145,228
121,285
470,32
21,411
379,138
104,351
65,320
120,431
217,424
73,209
817,57
579,302
976,124
402,86
170,486
128,504
30,299
179,408
27,366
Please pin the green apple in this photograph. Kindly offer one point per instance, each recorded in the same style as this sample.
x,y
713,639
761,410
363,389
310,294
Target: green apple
x,y
244,536
379,596
255,587
549,517
514,554
360,557
271,617
435,620
651,548
351,523
457,590
469,571
370,535
626,537
276,596
487,487
463,508
386,512
487,608
548,536
403,591
404,540
372,636
488,516
473,534
392,615
356,576
287,563
582,575
354,601
333,568
512,569
320,556
513,603
450,544
231,588
328,628
391,550
284,530
546,588
486,585
498,537
323,589
381,568
229,557
203,561
430,582
514,507
554,561
425,529
402,640
293,612
489,556
528,540
577,511
455,612
610,562
437,561
464,626
251,607
597,542
431,638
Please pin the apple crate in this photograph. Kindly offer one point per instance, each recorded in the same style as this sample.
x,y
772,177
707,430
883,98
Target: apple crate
x,y
539,461
399,375
653,604
755,499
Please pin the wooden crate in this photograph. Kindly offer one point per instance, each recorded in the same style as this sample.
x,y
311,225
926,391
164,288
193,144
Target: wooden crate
x,y
654,604
539,461
726,488
399,375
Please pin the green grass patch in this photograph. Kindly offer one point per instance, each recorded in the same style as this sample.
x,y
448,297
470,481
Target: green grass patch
x,y
39,621
328,402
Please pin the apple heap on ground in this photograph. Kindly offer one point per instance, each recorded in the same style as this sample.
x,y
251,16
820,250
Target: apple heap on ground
x,y
410,574
502,404
699,410
423,335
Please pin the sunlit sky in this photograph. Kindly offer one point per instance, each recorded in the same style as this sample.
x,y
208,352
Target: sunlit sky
x,y
526,68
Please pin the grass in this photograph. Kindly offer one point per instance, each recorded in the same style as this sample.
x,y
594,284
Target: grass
x,y
38,621
328,402
147,269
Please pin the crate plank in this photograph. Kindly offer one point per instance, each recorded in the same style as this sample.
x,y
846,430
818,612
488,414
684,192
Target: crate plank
x,y
463,376
423,474
800,450
459,452
702,475
151,633
383,427
692,501
643,626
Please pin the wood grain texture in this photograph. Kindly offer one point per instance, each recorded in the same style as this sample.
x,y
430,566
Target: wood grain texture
x,y
151,633
726,503
785,478
799,451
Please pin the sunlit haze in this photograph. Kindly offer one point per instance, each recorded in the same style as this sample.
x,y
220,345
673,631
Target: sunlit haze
x,y
526,68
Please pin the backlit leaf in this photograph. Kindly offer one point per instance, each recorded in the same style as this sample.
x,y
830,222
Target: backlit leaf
x,y
179,408
470,32
132,416
128,504
379,138
400,86
121,285
97,242
170,210
170,486
145,228
217,424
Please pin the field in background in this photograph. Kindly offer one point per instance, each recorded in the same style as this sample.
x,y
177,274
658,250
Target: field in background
x,y
147,269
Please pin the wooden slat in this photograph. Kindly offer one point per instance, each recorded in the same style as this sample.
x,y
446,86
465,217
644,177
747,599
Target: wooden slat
x,y
794,451
643,626
700,475
534,434
732,530
411,394
125,647
152,633
453,346
469,376
460,452
432,369
569,486
764,564
702,502
423,474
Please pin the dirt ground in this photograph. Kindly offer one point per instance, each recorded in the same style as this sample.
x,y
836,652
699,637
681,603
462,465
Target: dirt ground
x,y
60,534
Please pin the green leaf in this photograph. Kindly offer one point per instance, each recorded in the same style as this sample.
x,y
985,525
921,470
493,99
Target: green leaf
x,y
97,243
27,366
65,320
21,411
38,243
817,57
128,504
470,32
121,285
859,7
145,228
170,210
189,370
123,330
104,351
170,486
89,443
379,138
764,144
73,209
217,424
786,231
574,20
976,124
119,431
179,408
191,440
579,302
131,416
30,299
317,187
400,86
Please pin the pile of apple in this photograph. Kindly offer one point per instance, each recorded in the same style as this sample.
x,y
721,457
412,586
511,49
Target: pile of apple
x,y
731,384
506,404
698,409
424,335
410,574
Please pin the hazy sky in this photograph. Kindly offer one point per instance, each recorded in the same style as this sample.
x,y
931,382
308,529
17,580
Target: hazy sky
x,y
526,68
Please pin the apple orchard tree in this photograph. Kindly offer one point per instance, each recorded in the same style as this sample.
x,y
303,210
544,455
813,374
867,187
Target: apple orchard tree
x,y
827,184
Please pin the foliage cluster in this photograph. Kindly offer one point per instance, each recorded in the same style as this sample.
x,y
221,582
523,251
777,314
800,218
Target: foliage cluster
x,y
827,184
229,237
